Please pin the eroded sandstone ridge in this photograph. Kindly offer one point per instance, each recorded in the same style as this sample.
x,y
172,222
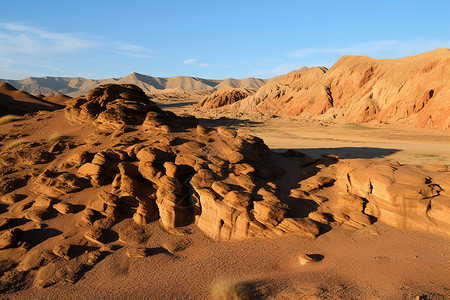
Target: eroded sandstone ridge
x,y
412,90
68,201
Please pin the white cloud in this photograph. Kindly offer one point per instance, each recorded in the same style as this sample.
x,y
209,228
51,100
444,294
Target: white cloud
x,y
19,39
189,61
193,61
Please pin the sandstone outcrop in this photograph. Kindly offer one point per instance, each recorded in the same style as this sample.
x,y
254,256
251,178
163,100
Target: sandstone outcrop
x,y
110,105
359,192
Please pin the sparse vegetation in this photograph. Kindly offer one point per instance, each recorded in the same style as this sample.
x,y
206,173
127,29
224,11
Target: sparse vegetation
x,y
425,155
16,143
233,290
9,118
56,137
356,126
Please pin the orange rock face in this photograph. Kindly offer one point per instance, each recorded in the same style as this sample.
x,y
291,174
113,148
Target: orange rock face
x,y
413,90
224,96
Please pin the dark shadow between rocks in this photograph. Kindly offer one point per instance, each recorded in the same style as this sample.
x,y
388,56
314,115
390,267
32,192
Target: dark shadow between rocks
x,y
3,208
76,208
37,236
14,223
110,236
77,250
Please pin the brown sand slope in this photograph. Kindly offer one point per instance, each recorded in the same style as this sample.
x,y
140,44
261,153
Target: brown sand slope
x,y
59,99
413,90
125,193
13,101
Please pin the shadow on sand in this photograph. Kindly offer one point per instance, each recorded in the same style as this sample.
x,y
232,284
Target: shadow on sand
x,y
224,121
346,152
163,105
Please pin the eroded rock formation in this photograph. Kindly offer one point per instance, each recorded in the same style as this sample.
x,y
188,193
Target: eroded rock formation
x,y
359,192
413,90
66,204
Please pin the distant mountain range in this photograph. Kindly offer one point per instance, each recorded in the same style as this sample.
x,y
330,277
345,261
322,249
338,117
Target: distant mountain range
x,y
76,86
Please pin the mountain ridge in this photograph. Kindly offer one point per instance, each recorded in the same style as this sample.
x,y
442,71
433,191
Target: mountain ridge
x,y
76,86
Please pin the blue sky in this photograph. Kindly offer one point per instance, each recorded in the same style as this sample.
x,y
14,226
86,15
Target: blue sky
x,y
209,39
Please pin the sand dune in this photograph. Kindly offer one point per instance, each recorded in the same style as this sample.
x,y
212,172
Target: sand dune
x,y
13,101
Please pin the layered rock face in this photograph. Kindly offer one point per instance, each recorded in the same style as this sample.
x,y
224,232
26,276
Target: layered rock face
x,y
138,164
359,192
413,90
224,96
175,174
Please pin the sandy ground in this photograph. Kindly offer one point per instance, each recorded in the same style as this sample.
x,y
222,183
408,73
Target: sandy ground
x,y
387,142
376,262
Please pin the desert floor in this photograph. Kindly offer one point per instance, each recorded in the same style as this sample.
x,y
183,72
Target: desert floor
x,y
348,140
376,262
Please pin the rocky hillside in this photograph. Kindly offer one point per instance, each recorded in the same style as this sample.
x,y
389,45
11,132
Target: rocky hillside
x,y
413,90
76,86
120,163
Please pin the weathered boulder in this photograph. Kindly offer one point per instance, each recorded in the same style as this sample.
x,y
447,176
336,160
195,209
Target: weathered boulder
x,y
110,105
63,208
